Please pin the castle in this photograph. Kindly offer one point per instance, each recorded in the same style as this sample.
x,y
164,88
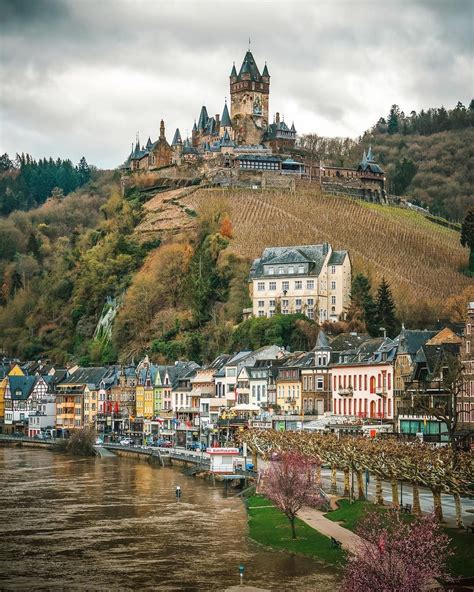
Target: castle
x,y
243,130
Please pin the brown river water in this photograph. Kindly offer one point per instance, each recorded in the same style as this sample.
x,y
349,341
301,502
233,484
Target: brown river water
x,y
71,523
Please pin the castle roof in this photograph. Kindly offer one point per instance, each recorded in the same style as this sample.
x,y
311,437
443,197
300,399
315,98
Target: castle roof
x,y
177,138
249,67
279,130
265,71
226,140
233,73
203,118
368,164
225,119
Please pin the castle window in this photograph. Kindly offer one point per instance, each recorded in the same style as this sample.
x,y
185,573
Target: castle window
x,y
272,286
298,285
261,286
285,285
310,284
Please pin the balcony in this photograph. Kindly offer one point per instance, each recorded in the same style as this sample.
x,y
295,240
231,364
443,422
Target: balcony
x,y
380,392
346,392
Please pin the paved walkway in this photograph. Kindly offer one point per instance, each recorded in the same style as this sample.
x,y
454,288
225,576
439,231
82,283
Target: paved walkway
x,y
318,521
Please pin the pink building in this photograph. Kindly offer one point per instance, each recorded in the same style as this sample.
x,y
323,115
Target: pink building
x,y
362,380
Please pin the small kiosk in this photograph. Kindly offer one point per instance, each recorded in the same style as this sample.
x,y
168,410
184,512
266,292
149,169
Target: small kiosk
x,y
222,459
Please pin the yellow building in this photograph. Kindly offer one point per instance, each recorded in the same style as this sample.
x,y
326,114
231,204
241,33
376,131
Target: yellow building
x,y
15,371
144,392
288,387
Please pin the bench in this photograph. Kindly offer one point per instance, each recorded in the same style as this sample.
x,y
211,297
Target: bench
x,y
335,544
406,509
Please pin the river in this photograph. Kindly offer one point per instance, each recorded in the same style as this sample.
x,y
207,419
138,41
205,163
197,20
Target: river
x,y
69,523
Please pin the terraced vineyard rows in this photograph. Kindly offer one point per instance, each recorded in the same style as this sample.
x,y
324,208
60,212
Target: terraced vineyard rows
x,y
420,258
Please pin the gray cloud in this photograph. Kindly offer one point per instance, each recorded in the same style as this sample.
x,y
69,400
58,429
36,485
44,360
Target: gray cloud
x,y
82,76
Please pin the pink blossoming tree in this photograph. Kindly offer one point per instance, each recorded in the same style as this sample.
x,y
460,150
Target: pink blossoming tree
x,y
394,555
290,483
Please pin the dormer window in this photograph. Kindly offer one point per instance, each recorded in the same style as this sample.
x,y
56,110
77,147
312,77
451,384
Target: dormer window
x,y
291,270
271,271
301,269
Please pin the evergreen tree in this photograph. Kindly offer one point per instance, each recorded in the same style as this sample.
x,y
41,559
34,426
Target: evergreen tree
x,y
362,307
393,120
83,171
386,316
33,246
5,163
403,175
467,237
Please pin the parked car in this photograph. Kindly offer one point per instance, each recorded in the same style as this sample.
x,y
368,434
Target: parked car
x,y
99,441
197,446
165,444
126,442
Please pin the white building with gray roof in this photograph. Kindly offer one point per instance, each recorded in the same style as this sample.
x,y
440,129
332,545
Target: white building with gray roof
x,y
313,280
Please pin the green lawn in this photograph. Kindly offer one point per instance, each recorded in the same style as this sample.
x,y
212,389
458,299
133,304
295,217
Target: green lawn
x,y
462,543
269,526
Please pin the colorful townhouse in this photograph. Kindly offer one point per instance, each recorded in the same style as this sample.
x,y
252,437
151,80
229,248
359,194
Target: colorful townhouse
x,y
22,394
362,380
316,378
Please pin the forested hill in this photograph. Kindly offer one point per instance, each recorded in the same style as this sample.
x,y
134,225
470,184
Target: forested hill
x,y
26,183
427,156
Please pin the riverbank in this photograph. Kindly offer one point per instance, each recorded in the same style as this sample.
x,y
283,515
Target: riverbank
x,y
268,526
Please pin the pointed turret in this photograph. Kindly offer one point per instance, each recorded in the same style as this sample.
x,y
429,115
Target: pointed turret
x,y
293,129
370,156
149,143
177,138
322,341
203,119
233,73
249,67
225,119
364,159
195,129
265,71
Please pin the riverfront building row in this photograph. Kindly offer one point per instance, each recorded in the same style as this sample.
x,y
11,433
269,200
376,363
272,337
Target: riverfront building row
x,y
351,382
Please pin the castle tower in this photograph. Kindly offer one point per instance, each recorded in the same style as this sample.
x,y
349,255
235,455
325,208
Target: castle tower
x,y
162,130
249,91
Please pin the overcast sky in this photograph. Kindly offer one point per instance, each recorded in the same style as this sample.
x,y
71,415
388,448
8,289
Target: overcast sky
x,y
81,77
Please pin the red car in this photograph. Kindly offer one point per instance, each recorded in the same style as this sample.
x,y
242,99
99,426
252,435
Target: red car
x,y
166,444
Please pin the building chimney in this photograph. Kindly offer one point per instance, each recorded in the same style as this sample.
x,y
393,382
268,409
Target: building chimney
x,y
218,121
277,117
162,130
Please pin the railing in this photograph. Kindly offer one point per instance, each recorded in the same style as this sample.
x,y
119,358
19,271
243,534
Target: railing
x,y
11,438
345,392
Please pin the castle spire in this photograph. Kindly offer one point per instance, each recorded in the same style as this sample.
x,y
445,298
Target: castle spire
x,y
225,118
177,138
162,130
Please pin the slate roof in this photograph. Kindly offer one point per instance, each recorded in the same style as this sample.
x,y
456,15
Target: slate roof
x,y
322,341
410,341
265,71
233,72
203,118
368,163
259,157
21,387
337,257
312,254
176,138
280,129
226,140
92,376
225,119
347,341
377,350
249,67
